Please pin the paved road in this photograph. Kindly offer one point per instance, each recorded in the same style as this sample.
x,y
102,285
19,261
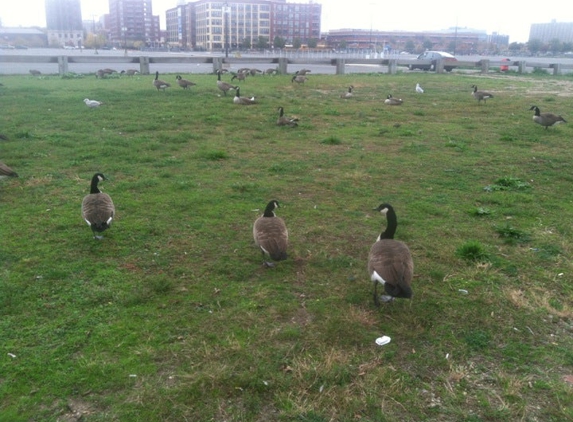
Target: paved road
x,y
191,68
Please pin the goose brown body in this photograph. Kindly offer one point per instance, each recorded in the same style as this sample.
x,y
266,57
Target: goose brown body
x,y
98,209
480,95
159,84
241,76
390,100
390,261
242,100
184,83
271,235
223,86
285,120
6,171
546,119
299,79
348,94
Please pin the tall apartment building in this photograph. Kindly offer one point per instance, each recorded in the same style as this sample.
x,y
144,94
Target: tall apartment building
x,y
293,21
208,25
64,23
132,21
180,24
546,32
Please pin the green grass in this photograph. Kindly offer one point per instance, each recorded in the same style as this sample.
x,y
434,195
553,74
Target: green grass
x,y
172,317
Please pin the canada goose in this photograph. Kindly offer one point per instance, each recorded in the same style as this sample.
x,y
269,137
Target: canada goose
x,y
242,100
419,89
271,235
390,262
302,72
253,72
159,84
130,72
284,120
108,71
223,86
6,171
241,76
100,74
34,72
546,119
3,137
92,103
97,208
184,83
480,95
299,79
349,93
271,71
390,100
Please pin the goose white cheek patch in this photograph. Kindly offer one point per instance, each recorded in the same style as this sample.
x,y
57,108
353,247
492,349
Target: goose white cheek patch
x,y
377,277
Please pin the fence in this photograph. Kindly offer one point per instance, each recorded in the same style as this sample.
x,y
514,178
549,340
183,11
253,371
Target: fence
x,y
391,65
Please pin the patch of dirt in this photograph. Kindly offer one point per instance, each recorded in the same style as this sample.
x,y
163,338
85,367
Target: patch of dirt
x,y
77,409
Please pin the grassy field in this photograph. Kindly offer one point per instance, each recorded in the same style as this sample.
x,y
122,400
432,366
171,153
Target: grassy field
x,y
172,317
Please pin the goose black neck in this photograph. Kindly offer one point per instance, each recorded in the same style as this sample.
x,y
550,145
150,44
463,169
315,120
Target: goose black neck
x,y
281,111
392,224
270,209
95,181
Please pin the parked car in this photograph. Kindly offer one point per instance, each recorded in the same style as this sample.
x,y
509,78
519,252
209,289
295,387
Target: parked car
x,y
434,56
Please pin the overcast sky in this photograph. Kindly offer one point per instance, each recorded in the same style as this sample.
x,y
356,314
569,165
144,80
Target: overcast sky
x,y
509,17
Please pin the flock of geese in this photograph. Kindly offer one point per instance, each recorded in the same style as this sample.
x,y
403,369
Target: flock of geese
x,y
390,262
543,119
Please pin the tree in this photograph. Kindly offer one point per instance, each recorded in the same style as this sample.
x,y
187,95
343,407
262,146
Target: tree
x,y
246,44
452,46
279,42
342,45
555,45
312,43
534,46
410,46
262,43
95,40
427,44
296,43
515,47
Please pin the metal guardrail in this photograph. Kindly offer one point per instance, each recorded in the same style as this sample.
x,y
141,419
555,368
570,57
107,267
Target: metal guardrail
x,y
281,63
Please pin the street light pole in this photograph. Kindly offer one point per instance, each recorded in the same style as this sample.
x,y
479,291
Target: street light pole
x,y
226,11
124,30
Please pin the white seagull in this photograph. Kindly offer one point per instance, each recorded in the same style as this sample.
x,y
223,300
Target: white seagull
x,y
419,89
92,103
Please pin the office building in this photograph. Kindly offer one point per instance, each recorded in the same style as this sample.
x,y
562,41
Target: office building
x,y
131,22
212,25
546,32
64,23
